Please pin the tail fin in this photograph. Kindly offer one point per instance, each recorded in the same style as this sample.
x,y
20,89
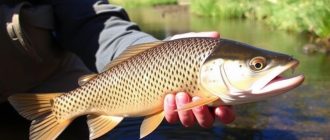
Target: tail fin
x,y
38,107
32,106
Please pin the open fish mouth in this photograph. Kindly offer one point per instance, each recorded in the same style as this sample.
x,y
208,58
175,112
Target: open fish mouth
x,y
276,84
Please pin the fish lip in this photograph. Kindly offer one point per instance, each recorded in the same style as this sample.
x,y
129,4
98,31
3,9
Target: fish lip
x,y
282,85
276,84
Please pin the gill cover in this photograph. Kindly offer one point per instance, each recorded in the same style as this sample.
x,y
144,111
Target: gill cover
x,y
235,69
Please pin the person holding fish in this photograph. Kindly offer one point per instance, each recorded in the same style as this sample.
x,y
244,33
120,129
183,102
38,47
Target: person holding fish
x,y
98,33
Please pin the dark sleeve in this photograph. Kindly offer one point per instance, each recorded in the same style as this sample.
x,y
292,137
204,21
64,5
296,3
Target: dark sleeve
x,y
95,30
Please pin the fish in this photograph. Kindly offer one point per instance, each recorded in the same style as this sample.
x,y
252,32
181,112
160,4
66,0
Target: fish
x,y
219,71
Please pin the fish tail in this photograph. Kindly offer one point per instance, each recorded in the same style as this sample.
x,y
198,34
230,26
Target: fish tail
x,y
38,107
32,106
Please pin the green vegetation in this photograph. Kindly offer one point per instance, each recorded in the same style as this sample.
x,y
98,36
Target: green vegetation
x,y
219,8
293,15
138,3
311,16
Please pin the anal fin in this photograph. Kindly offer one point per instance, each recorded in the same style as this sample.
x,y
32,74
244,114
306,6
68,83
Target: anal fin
x,y
150,123
199,102
101,124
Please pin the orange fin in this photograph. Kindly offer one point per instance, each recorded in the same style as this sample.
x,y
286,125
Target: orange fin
x,y
150,123
99,125
85,78
47,128
199,102
132,51
32,106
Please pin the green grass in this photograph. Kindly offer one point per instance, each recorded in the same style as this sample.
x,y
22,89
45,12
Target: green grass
x,y
219,8
293,15
139,3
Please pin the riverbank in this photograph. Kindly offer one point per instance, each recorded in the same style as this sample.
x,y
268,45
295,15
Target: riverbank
x,y
306,17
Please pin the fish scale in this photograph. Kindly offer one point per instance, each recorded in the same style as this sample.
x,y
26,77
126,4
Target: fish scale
x,y
138,85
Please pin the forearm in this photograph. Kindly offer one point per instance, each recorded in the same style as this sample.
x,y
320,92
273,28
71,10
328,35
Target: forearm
x,y
116,37
97,31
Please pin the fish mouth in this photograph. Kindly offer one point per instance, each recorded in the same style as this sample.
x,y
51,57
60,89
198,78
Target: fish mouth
x,y
275,84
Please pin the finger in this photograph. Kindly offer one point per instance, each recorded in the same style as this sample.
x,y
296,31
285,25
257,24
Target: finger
x,y
169,108
212,34
225,114
203,115
186,117
207,34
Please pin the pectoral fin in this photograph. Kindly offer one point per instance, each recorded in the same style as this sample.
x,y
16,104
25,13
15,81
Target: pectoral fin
x,y
199,102
99,125
150,123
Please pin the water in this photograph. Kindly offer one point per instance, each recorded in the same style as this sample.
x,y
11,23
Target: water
x,y
300,114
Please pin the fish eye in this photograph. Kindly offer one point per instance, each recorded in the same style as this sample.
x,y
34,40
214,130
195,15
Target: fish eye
x,y
257,63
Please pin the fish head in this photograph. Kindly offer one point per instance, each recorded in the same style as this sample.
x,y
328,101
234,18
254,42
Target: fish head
x,y
240,73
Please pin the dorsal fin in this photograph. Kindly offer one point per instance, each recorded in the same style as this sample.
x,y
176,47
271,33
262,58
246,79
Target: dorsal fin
x,y
130,52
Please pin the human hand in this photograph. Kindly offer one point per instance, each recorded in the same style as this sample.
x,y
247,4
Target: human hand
x,y
204,115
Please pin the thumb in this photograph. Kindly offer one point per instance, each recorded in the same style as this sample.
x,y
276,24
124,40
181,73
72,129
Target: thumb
x,y
212,34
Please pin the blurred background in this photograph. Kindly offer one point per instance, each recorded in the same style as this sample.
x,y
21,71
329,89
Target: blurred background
x,y
297,27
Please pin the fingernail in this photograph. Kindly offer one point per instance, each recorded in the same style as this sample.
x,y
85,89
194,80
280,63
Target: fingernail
x,y
217,111
182,97
169,100
195,98
215,35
